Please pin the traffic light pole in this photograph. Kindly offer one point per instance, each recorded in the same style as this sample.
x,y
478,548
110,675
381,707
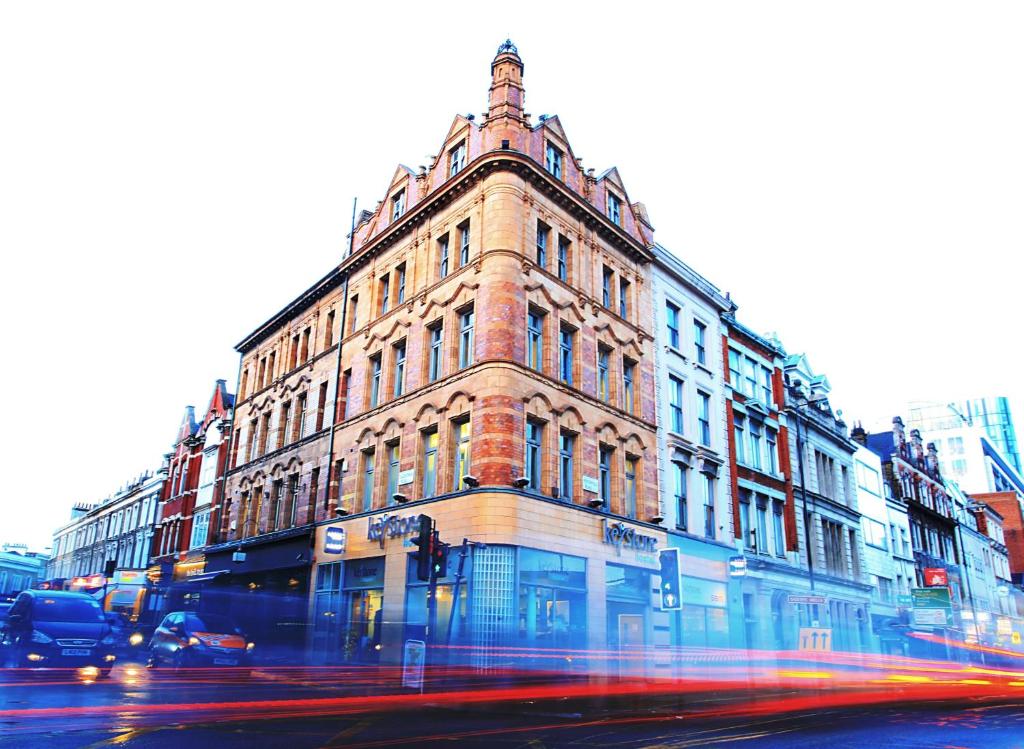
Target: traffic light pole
x,y
455,590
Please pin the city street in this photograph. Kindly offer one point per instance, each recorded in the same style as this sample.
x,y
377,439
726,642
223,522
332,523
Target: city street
x,y
311,707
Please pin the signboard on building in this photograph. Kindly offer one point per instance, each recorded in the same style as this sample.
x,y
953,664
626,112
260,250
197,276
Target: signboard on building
x,y
936,577
698,592
391,526
812,600
406,476
335,540
621,536
933,607
590,484
737,566
130,577
816,639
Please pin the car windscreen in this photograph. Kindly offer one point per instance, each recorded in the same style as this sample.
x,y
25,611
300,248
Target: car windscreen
x,y
67,610
210,623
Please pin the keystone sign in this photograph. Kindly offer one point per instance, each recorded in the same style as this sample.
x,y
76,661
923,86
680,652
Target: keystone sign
x,y
391,526
620,535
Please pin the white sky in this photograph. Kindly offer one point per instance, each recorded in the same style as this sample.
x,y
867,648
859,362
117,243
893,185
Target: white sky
x,y
172,174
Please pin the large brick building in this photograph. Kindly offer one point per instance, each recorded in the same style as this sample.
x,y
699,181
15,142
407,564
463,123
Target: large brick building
x,y
496,374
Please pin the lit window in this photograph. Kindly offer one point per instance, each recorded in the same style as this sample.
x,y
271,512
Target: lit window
x,y
553,160
461,438
672,322
615,209
457,159
430,444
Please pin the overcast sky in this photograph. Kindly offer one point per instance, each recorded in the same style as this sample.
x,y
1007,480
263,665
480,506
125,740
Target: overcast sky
x,y
172,174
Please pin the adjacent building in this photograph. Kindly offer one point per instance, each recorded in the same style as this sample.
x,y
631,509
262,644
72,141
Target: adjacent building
x,y
940,422
20,569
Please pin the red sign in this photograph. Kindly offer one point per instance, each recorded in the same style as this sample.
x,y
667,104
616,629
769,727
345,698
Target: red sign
x,y
936,577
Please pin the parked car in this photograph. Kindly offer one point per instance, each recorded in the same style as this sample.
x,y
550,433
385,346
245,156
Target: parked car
x,y
188,638
58,629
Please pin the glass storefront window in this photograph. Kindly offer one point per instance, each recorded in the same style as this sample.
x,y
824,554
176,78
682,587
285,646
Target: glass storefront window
x,y
416,611
628,583
552,600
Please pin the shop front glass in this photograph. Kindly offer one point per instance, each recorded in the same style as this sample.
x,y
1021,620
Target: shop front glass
x,y
362,598
628,602
552,601
416,603
704,618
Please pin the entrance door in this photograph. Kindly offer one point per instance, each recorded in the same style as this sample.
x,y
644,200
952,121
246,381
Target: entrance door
x,y
362,641
631,643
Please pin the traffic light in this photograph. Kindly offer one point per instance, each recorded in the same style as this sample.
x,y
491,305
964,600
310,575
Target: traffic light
x,y
424,544
438,557
671,600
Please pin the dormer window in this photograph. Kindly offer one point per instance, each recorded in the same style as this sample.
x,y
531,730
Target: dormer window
x,y
615,209
457,159
553,160
398,205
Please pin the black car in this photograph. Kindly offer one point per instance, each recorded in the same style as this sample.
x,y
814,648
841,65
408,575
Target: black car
x,y
187,638
57,629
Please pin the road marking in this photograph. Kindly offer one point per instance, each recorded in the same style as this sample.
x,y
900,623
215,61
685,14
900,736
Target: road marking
x,y
353,730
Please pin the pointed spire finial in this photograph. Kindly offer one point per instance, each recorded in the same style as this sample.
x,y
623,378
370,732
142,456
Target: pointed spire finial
x,y
508,46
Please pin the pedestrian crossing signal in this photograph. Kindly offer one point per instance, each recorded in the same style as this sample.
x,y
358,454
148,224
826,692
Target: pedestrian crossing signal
x,y
671,600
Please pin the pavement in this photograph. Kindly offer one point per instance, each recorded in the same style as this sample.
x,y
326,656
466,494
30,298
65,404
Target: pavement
x,y
315,707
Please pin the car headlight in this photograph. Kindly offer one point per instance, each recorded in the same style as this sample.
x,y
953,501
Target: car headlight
x,y
41,638
193,640
249,646
136,638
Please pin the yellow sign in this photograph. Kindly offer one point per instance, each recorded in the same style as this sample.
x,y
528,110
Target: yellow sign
x,y
1015,638
816,639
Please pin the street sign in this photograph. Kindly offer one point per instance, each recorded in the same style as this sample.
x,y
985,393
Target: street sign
x,y
413,660
816,639
816,600
933,617
334,540
904,600
933,607
1015,638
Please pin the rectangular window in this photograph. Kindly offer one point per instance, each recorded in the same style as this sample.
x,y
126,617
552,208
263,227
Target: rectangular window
x,y
283,436
345,403
394,467
780,534
566,446
603,380
353,316
399,368
442,253
461,438
766,385
771,451
675,404
535,341
306,350
400,279
565,359
466,338
631,469
740,438
735,378
553,160
321,406
606,287
755,445
293,357
534,446
628,369
750,382
709,506
430,444
679,494
623,297
605,474
385,293
543,233
457,159
672,322
398,205
563,259
615,209
699,350
704,417
761,539
745,534
464,244
375,365
329,330
369,459
300,416
436,349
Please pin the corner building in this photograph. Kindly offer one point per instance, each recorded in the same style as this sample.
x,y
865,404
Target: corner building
x,y
496,374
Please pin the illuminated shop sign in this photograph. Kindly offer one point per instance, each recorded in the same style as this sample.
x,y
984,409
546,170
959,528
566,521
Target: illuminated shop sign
x,y
622,536
391,526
